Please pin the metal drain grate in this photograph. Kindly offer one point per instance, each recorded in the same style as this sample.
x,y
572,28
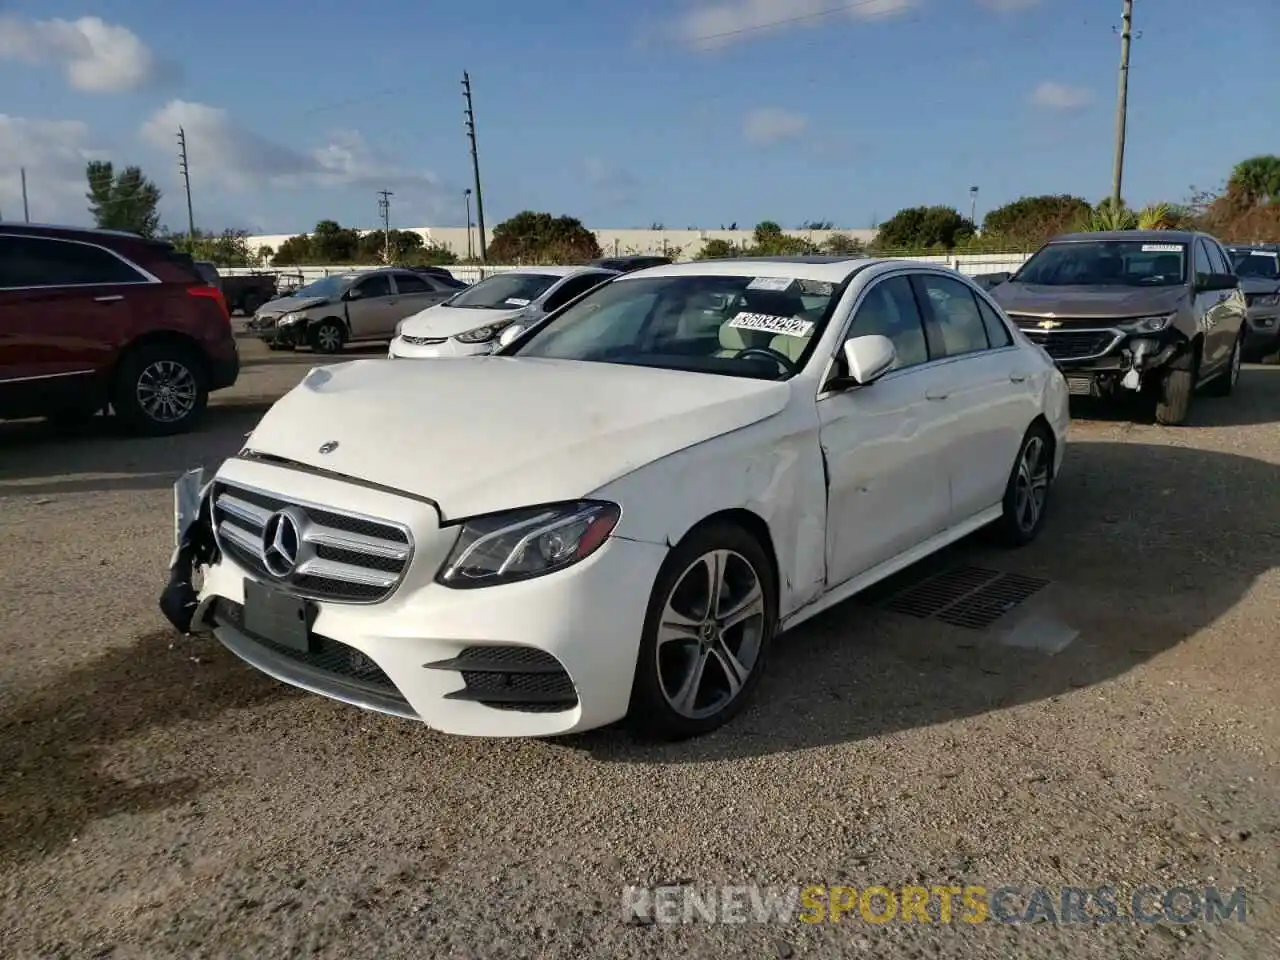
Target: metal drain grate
x,y
970,597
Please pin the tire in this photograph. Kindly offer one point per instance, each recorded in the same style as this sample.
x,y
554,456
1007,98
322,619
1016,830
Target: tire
x,y
1026,495
250,304
1173,396
668,655
1224,384
276,346
327,336
139,396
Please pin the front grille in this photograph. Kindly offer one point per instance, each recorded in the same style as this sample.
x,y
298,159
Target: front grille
x,y
347,669
512,678
422,341
1072,344
340,557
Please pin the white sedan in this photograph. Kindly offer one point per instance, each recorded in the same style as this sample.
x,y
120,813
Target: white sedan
x,y
634,497
469,323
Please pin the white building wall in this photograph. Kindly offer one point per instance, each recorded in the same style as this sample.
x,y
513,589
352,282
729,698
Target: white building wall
x,y
677,244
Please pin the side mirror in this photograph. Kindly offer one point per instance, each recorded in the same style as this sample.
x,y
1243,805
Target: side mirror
x,y
869,358
1212,282
510,335
352,294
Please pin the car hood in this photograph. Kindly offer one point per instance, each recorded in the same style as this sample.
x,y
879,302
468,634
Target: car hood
x,y
1087,302
1259,285
490,433
443,321
290,304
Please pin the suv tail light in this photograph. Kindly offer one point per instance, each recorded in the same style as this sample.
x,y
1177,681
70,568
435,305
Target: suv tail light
x,y
214,294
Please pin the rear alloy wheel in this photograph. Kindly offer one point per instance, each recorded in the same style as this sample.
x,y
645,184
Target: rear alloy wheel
x,y
710,622
1026,495
160,390
328,336
1224,384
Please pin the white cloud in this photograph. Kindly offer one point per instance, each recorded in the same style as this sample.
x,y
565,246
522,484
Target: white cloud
x,y
612,182
1008,6
766,125
97,57
54,153
225,153
710,25
1059,96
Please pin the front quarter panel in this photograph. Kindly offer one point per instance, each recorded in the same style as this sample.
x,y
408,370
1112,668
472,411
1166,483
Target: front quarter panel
x,y
772,468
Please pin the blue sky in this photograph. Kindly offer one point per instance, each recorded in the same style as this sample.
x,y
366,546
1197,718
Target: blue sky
x,y
684,112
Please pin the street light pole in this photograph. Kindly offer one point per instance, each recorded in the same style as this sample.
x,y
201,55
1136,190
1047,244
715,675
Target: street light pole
x,y
973,206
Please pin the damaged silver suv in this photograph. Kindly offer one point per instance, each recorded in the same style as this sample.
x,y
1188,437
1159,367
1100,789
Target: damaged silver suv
x,y
1157,312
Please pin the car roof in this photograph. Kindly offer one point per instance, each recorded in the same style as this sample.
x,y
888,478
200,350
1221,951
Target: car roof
x,y
554,270
58,229
1136,236
829,269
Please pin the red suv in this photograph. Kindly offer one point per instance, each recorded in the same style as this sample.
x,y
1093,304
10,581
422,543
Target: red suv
x,y
95,318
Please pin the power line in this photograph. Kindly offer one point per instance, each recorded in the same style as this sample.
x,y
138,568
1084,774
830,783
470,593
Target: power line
x,y
186,179
475,164
800,18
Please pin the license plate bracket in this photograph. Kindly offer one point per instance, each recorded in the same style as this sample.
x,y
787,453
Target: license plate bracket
x,y
278,616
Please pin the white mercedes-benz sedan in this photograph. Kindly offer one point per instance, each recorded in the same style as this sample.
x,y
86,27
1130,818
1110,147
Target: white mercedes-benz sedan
x,y
469,323
614,515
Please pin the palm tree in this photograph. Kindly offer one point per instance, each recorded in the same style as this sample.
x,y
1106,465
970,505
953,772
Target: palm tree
x,y
1256,181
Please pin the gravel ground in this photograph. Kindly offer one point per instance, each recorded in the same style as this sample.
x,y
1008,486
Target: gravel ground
x,y
160,799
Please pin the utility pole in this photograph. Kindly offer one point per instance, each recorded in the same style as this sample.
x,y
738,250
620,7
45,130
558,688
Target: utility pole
x,y
973,206
26,211
384,208
1122,102
475,163
186,179
466,198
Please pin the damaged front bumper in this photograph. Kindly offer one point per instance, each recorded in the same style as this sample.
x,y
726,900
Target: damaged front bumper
x,y
1126,363
194,547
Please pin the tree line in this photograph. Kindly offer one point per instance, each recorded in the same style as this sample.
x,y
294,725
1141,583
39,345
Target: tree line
x,y
1246,208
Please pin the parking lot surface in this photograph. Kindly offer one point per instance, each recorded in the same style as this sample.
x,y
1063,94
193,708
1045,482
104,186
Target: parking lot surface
x,y
162,799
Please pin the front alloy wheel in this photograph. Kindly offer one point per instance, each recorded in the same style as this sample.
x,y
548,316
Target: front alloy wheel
x,y
711,617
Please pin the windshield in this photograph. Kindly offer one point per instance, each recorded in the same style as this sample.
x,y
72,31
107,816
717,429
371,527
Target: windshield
x,y
1111,263
506,291
327,287
760,327
1256,263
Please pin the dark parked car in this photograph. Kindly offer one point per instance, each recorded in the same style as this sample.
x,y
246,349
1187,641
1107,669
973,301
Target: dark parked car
x,y
1258,267
441,274
1157,311
91,319
246,293
629,264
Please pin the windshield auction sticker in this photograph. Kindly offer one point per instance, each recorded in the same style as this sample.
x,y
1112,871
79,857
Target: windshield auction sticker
x,y
1162,248
766,323
774,284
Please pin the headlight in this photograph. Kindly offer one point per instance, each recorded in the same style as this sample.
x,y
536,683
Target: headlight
x,y
521,544
1263,299
482,334
291,318
1148,324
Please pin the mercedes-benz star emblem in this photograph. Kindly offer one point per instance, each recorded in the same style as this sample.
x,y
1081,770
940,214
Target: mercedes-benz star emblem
x,y
281,541
329,446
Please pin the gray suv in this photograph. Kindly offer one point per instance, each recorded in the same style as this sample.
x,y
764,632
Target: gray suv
x,y
1157,312
1258,267
346,308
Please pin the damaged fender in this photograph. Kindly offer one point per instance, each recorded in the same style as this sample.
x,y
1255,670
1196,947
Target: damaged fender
x,y
194,547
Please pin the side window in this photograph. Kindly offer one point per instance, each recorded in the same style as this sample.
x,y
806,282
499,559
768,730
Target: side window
x,y
997,332
412,283
1204,260
37,262
889,309
1221,262
378,285
953,315
572,288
